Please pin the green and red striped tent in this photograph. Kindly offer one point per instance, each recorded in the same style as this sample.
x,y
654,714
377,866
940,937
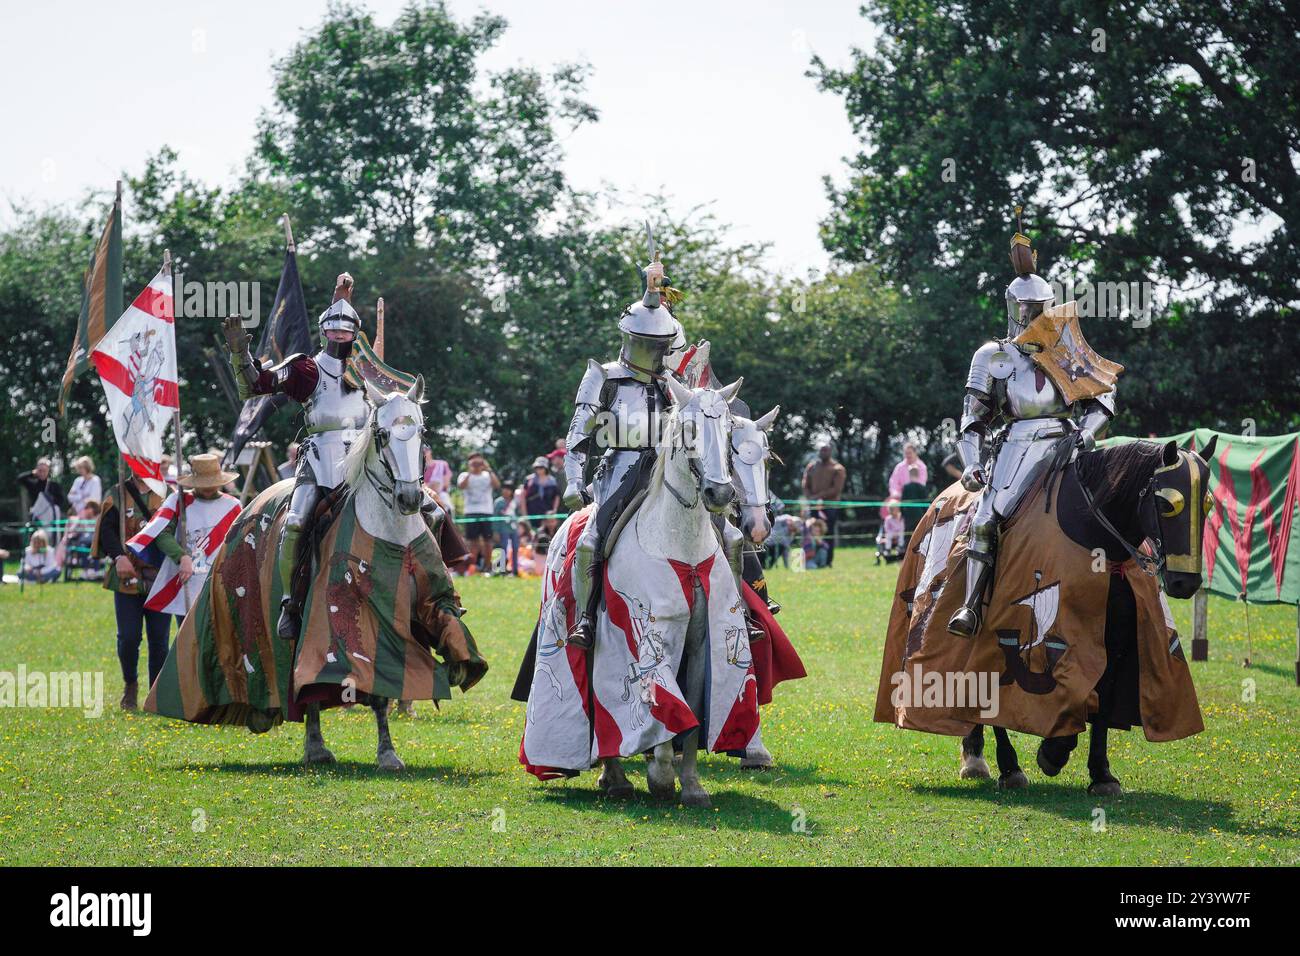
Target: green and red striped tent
x,y
1250,544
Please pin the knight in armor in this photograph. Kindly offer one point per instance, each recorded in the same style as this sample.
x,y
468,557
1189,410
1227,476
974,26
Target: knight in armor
x,y
1032,400
615,426
335,415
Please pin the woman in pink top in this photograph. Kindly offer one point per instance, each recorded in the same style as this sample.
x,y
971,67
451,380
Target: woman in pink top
x,y
437,475
902,474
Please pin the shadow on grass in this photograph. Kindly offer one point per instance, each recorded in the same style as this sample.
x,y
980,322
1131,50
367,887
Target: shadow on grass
x,y
348,770
731,810
1072,802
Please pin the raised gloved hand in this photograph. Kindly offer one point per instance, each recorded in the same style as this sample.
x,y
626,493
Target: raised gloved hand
x,y
575,498
236,338
973,477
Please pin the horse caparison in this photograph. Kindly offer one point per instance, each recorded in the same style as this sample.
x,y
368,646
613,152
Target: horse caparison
x,y
1123,482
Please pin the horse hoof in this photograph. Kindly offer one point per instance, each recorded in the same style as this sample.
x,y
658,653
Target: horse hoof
x,y
1105,788
757,759
405,708
1013,780
318,755
974,768
696,798
614,789
1046,765
259,722
661,788
388,760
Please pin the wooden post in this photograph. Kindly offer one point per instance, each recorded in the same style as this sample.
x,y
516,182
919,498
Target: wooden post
x,y
1200,629
1297,646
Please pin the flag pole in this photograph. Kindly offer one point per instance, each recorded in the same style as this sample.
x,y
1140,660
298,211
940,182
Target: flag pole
x,y
170,268
288,234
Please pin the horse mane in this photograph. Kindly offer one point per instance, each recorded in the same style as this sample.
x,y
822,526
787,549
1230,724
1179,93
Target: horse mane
x,y
668,433
1119,472
354,465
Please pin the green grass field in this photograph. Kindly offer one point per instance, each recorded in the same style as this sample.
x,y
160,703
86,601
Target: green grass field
x,y
136,789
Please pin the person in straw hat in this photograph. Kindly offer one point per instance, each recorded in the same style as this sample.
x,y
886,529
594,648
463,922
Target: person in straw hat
x,y
181,544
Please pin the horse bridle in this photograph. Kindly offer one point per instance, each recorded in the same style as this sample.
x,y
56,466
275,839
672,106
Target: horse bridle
x,y
1151,565
695,472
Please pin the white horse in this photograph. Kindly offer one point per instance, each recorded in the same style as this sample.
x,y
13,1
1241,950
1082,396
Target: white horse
x,y
384,469
671,657
750,453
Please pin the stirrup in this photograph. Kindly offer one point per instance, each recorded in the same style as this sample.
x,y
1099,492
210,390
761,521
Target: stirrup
x,y
583,634
290,623
965,622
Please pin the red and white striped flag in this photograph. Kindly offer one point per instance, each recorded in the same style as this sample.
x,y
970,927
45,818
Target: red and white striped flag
x,y
136,362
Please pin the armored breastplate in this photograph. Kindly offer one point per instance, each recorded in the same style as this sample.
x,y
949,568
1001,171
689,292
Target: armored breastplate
x,y
633,410
1027,392
332,406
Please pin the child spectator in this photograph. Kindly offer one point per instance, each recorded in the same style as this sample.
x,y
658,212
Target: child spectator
x,y
40,561
506,510
889,542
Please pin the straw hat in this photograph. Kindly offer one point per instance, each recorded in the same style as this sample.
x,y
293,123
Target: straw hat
x,y
205,472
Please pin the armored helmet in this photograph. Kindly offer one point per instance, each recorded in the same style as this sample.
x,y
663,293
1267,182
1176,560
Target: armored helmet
x,y
647,325
340,316
1029,293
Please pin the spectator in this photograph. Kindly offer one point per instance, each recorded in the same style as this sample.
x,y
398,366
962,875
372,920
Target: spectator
x,y
4,556
75,548
914,490
786,530
541,491
823,483
506,510
556,456
85,487
903,473
290,466
48,500
129,579
40,561
893,533
437,476
477,484
816,549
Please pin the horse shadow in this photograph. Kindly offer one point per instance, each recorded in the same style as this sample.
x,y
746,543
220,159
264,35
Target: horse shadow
x,y
1071,802
731,809
350,770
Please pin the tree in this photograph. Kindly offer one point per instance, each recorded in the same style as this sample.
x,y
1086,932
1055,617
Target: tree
x,y
1149,142
390,139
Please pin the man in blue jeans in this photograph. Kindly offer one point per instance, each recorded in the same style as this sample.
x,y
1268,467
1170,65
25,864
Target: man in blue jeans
x,y
128,578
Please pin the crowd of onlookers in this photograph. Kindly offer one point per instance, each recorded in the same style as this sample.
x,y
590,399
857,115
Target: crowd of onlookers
x,y
507,525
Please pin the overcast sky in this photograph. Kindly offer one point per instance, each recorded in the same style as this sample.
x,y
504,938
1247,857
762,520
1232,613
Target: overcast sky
x,y
92,89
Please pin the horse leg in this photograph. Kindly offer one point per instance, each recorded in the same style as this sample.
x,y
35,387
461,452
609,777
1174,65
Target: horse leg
x,y
1054,753
1010,776
313,747
387,758
973,764
613,781
756,755
1104,783
697,646
659,773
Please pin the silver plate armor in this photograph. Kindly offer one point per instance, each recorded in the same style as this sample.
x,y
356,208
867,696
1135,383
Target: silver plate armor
x,y
335,417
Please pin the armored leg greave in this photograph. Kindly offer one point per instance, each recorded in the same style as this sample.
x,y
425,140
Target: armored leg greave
x,y
979,568
294,551
585,593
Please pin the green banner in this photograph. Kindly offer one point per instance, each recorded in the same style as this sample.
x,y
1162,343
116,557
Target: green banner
x,y
1249,546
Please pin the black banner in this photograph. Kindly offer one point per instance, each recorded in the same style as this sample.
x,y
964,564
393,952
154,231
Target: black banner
x,y
288,331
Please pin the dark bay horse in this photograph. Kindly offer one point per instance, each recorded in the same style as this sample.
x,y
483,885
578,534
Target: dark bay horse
x,y
1145,492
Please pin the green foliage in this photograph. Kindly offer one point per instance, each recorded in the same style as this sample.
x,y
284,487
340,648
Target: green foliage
x,y
1147,140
